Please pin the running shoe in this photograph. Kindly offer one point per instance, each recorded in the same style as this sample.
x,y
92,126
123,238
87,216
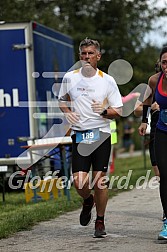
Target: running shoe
x,y
163,234
99,229
86,215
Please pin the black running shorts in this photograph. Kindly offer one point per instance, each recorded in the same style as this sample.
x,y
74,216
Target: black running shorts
x,y
96,154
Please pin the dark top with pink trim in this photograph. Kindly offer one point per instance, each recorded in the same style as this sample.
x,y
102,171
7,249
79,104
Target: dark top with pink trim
x,y
161,99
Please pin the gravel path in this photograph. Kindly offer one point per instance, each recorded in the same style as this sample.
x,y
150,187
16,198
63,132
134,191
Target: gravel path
x,y
133,220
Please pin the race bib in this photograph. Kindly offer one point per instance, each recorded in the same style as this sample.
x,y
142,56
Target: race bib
x,y
87,136
163,116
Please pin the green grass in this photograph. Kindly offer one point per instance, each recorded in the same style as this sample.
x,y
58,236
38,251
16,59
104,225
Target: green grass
x,y
17,215
135,167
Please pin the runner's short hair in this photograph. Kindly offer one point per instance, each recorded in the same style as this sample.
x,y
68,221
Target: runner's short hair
x,y
89,42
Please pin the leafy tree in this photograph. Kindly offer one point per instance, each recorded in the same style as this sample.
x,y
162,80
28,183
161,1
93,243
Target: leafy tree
x,y
120,26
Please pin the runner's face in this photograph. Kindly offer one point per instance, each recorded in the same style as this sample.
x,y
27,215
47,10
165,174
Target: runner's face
x,y
90,55
164,63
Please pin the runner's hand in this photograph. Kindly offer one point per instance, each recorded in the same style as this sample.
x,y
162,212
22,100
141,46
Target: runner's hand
x,y
72,117
142,129
97,107
155,106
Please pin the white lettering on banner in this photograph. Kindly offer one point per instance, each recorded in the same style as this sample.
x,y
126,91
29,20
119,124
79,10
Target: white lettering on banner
x,y
7,101
15,92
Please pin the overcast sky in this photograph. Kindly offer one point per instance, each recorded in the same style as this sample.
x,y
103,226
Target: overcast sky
x,y
156,37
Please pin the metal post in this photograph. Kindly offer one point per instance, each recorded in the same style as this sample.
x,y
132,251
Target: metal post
x,y
3,187
3,170
65,167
